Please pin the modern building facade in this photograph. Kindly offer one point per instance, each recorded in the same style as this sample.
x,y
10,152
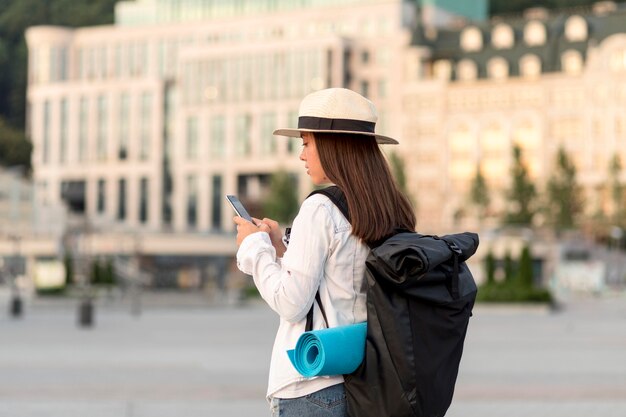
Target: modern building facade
x,y
144,125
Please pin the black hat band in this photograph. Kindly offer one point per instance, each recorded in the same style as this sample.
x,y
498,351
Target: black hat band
x,y
322,123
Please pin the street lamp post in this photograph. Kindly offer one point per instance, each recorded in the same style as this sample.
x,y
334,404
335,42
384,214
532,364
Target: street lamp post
x,y
616,275
85,307
16,306
136,280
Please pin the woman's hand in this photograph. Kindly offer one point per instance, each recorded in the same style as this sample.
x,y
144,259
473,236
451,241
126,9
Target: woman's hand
x,y
276,235
246,228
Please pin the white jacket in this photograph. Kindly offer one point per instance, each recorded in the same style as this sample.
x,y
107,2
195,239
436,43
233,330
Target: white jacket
x,y
322,253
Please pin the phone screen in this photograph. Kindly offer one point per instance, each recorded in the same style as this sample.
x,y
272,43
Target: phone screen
x,y
239,208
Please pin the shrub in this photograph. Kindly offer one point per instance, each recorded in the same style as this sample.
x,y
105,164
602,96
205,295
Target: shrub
x,y
517,286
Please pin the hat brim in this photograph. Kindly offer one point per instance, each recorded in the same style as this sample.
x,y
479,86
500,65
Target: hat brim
x,y
296,133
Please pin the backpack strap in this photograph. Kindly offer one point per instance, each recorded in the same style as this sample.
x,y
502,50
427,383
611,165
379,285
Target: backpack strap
x,y
309,316
454,279
338,198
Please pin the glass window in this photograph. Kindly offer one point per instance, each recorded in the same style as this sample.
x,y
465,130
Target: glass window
x,y
365,88
46,132
365,56
466,70
502,36
161,58
142,59
83,139
54,64
382,88
293,144
268,140
216,203
130,59
498,68
117,60
81,63
530,66
471,39
102,129
91,63
192,200
572,62
101,199
63,131
217,147
242,129
576,29
63,63
102,61
143,200
146,124
535,33
192,138
33,65
494,148
121,199
124,127
442,69
462,152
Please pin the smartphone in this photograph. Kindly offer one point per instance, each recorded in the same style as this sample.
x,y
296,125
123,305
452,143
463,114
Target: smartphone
x,y
239,208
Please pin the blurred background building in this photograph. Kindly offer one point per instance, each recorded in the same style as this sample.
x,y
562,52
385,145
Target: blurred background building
x,y
542,81
140,128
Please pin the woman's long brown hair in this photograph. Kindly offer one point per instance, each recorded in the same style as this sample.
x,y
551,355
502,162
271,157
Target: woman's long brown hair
x,y
358,167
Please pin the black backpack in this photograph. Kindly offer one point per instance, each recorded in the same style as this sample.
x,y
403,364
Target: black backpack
x,y
419,300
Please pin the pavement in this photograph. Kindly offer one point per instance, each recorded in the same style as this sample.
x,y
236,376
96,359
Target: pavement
x,y
182,356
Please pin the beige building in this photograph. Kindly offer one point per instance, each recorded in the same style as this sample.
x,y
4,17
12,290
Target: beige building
x,y
541,81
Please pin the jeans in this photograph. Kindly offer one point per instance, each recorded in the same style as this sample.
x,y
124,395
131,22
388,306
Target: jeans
x,y
327,402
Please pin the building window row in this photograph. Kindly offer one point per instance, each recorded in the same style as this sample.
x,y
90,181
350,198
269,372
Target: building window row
x,y
90,135
215,199
131,59
122,199
254,77
253,135
534,33
498,68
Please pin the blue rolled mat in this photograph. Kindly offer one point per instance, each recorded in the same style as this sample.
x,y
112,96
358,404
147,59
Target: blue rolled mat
x,y
334,351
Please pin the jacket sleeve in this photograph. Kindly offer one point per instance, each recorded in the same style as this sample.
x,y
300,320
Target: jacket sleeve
x,y
289,287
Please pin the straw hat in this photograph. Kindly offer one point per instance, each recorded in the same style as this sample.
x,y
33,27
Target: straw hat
x,y
336,110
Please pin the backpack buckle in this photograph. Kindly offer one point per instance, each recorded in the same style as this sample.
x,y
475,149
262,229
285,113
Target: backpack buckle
x,y
453,247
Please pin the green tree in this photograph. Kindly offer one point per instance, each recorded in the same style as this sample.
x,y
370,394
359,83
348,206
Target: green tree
x,y
15,17
399,173
525,270
281,203
479,193
521,195
96,272
509,269
14,148
68,261
564,194
490,268
617,191
397,169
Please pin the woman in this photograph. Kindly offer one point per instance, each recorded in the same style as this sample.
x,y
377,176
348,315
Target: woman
x,y
326,253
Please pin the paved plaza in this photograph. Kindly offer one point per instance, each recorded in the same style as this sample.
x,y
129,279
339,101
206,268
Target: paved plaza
x,y
189,358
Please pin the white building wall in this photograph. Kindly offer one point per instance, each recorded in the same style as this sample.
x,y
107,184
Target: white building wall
x,y
115,60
